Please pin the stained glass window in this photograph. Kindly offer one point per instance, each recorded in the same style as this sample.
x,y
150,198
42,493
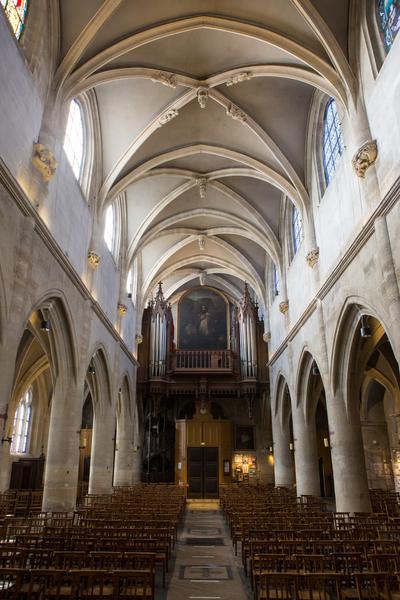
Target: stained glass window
x,y
275,280
16,14
73,141
389,17
297,229
22,421
109,228
333,145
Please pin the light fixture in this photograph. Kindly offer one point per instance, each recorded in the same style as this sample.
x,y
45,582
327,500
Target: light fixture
x,y
365,331
291,446
91,369
315,370
203,443
326,442
45,326
271,450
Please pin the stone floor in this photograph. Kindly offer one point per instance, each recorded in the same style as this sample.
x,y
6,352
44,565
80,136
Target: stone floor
x,y
204,566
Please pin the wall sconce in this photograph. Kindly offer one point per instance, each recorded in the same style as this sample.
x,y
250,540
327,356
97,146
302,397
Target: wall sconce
x,y
365,331
326,442
315,370
202,443
291,446
45,326
271,450
91,369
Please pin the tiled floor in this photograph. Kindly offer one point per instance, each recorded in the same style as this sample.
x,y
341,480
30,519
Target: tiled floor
x,y
205,567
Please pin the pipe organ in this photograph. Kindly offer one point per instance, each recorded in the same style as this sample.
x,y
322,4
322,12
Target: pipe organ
x,y
248,317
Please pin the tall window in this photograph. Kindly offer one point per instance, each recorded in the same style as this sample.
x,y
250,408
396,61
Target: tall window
x,y
333,145
129,281
73,141
16,14
109,228
22,422
275,280
297,229
389,18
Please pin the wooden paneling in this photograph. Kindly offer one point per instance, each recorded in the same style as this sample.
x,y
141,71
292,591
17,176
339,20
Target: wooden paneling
x,y
206,434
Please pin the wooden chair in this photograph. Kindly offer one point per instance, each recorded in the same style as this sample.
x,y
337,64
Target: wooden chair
x,y
133,584
11,581
276,586
92,583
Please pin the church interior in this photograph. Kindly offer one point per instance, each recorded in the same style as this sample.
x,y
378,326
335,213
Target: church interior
x,y
200,299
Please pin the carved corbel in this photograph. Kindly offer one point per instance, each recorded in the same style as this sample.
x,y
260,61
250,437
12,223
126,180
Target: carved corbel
x,y
284,306
312,257
43,160
122,309
94,260
364,158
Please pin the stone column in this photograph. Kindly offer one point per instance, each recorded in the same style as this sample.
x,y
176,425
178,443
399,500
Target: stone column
x,y
389,286
102,458
7,361
348,462
62,460
306,455
123,468
283,463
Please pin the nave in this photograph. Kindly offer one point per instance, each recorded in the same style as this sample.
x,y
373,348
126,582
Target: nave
x,y
148,541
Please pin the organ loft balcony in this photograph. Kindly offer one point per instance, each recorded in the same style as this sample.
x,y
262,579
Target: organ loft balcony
x,y
207,361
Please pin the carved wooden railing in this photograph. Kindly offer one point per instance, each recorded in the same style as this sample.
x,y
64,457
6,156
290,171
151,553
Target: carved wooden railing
x,y
202,360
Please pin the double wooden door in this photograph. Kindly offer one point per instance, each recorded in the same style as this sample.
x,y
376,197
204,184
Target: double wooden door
x,y
202,465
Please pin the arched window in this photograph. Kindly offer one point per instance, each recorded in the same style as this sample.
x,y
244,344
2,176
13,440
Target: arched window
x,y
297,229
275,280
109,228
129,281
73,141
16,14
389,19
22,422
332,145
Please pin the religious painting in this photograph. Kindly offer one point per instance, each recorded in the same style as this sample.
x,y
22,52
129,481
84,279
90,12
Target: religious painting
x,y
244,437
202,321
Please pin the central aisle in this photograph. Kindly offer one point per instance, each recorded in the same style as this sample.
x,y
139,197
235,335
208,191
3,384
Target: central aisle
x,y
205,565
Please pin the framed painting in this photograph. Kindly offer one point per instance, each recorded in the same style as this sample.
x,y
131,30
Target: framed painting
x,y
203,321
244,437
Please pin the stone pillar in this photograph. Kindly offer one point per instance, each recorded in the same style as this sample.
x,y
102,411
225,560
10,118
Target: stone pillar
x,y
62,460
283,463
389,286
306,455
102,458
7,361
348,462
123,466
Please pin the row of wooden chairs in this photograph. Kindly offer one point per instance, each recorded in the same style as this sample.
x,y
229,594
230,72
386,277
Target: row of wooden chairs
x,y
57,584
295,547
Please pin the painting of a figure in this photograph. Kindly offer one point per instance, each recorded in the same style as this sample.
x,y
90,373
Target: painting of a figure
x,y
202,318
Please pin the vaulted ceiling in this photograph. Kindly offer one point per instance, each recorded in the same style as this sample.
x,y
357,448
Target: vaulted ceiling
x,y
203,114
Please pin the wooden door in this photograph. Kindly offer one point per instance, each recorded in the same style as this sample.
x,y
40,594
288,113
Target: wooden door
x,y
202,465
